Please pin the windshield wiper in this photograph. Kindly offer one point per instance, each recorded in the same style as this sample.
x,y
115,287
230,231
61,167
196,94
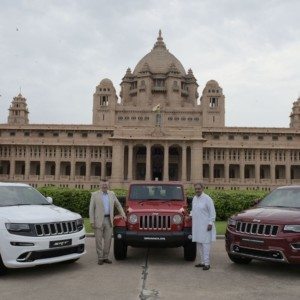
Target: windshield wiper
x,y
17,204
171,200
148,200
280,206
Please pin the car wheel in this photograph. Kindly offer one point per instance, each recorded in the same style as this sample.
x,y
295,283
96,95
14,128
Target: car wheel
x,y
120,250
240,259
189,251
3,269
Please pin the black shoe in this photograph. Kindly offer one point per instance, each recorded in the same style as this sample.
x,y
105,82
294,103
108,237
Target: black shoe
x,y
100,262
107,261
205,268
199,265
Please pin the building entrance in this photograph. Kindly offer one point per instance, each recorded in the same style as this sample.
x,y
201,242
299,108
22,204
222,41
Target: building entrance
x,y
157,162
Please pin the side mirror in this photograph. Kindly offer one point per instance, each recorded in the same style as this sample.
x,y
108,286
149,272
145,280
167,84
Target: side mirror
x,y
49,199
256,201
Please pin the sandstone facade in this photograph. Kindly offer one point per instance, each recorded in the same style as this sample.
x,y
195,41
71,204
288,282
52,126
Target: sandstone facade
x,y
159,129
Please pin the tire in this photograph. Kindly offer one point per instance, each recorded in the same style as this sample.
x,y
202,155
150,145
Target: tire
x,y
239,259
3,269
189,251
120,250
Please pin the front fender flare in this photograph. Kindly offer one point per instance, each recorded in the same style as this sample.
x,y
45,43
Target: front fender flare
x,y
119,221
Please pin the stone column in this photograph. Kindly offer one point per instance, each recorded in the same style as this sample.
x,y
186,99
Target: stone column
x,y
288,166
242,166
88,164
166,162
196,162
73,162
12,163
183,163
43,162
103,163
226,166
211,165
27,163
257,167
272,167
130,166
57,163
148,161
117,174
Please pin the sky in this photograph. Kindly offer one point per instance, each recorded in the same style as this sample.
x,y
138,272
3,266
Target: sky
x,y
57,52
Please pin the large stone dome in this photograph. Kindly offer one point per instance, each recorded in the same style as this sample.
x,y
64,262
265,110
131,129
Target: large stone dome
x,y
159,60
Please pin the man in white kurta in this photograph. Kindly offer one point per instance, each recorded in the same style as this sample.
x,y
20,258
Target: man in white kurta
x,y
203,228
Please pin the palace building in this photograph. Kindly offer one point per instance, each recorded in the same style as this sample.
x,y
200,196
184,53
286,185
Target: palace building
x,y
159,129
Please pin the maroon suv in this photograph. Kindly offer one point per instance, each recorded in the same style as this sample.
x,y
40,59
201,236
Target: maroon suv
x,y
269,231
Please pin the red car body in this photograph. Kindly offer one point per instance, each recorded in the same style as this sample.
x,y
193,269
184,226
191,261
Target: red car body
x,y
160,220
270,231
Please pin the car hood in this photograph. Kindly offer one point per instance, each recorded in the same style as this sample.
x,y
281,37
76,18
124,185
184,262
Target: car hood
x,y
36,214
270,215
156,206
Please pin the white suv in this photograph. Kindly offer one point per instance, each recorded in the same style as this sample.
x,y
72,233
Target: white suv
x,y
33,231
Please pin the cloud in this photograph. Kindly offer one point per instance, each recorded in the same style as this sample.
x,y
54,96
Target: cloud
x,y
62,50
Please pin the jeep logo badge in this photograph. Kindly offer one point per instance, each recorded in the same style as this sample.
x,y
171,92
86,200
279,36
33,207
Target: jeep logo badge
x,y
256,220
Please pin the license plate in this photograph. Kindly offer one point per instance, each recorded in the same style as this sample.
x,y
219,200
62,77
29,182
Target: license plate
x,y
256,243
154,238
61,243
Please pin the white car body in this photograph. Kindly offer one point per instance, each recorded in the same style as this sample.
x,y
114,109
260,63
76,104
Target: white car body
x,y
55,234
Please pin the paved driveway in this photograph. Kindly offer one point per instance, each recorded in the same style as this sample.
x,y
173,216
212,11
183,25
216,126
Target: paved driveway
x,y
168,274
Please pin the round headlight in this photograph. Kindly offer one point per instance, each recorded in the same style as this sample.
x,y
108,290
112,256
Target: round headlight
x,y
177,219
133,219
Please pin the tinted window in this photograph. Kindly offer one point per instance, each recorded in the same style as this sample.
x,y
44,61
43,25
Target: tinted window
x,y
20,195
282,198
156,192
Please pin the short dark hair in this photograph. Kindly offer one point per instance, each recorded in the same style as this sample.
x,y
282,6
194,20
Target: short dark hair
x,y
199,184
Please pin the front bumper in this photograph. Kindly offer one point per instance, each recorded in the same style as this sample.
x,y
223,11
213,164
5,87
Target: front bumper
x,y
28,251
277,249
153,239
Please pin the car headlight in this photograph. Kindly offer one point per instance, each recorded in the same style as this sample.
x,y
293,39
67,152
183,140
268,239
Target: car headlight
x,y
17,227
177,219
79,223
133,219
231,222
292,228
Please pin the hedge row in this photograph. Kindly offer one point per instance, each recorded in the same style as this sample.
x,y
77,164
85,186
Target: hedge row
x,y
226,202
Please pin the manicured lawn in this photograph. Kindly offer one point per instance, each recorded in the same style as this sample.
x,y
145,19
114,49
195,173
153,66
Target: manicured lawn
x,y
87,225
220,226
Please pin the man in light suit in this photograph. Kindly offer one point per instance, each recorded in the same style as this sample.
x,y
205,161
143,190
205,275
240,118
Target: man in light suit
x,y
101,217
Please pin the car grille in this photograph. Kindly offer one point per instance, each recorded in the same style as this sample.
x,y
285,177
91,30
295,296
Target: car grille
x,y
155,222
258,229
56,228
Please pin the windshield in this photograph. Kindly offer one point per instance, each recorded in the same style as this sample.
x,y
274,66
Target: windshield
x,y
282,198
156,192
20,195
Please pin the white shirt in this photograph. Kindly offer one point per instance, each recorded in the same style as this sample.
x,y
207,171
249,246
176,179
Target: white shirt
x,y
105,201
203,214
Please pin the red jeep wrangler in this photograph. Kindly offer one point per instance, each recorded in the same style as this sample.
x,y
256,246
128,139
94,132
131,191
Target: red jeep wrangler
x,y
269,231
157,216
